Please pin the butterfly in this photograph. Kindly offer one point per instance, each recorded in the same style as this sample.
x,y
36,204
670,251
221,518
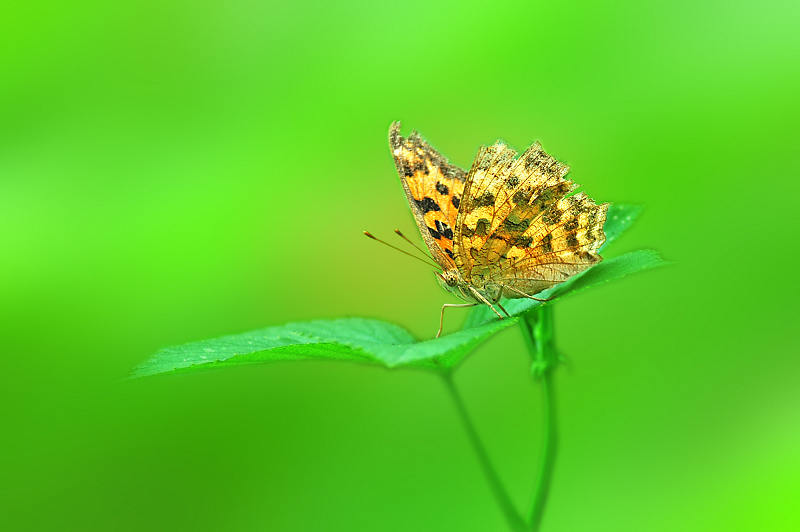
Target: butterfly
x,y
505,229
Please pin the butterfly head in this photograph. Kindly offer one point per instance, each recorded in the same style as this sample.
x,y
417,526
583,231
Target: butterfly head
x,y
452,281
449,279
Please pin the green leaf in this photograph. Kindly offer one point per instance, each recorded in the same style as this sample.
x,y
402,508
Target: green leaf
x,y
350,339
606,271
620,216
378,342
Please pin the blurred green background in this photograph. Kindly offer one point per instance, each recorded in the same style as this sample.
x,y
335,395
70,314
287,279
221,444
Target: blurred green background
x,y
173,171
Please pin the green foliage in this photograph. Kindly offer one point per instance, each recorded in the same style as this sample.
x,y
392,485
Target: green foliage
x,y
619,217
378,342
351,339
608,270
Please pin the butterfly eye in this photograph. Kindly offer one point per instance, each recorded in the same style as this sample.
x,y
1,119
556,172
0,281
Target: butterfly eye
x,y
447,278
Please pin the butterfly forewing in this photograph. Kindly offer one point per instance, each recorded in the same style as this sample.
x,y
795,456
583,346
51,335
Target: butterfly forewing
x,y
434,189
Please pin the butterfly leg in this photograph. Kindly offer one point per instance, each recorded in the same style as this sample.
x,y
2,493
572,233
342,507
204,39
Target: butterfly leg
x,y
496,301
441,318
485,301
501,308
523,294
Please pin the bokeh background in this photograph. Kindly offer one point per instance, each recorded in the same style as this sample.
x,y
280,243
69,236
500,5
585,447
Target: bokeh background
x,y
172,171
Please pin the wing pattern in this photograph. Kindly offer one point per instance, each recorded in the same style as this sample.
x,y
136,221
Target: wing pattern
x,y
517,234
434,188
509,226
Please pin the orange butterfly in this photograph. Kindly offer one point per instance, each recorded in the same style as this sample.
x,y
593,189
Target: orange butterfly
x,y
506,228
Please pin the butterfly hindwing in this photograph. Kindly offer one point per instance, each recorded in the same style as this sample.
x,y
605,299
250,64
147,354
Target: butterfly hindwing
x,y
516,231
563,241
434,189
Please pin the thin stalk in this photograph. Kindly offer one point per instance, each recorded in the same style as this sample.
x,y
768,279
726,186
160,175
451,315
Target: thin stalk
x,y
549,449
537,328
513,519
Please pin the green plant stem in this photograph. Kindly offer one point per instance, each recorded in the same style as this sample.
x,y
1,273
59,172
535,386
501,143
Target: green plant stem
x,y
548,453
515,522
537,328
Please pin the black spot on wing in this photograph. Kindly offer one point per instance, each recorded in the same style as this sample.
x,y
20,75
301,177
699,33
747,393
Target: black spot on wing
x,y
533,160
522,196
572,240
513,224
571,224
523,242
486,200
444,230
585,255
546,244
426,205
455,201
449,253
442,189
482,227
434,233
552,216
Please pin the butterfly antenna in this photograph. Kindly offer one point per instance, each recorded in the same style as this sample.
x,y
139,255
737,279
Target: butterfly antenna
x,y
373,237
404,237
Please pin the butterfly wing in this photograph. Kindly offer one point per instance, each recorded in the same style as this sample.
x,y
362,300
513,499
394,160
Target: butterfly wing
x,y
434,188
517,229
